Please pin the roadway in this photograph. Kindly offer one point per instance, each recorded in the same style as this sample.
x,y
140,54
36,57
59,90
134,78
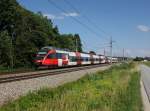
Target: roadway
x,y
145,86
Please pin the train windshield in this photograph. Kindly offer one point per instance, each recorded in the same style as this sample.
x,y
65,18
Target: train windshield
x,y
41,54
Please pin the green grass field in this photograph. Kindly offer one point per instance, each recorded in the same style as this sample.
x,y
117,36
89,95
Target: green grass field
x,y
147,63
116,89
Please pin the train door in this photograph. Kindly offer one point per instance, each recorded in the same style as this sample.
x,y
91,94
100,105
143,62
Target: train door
x,y
91,59
60,62
64,59
59,57
78,56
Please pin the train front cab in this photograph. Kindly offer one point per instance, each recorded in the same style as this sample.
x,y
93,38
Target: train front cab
x,y
56,59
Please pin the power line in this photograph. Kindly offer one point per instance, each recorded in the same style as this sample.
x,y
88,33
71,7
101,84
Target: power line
x,y
76,20
83,24
85,17
91,22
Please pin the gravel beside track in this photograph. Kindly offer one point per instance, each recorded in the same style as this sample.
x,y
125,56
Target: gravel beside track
x,y
12,90
31,75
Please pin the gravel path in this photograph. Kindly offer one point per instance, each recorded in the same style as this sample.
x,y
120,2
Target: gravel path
x,y
11,91
145,86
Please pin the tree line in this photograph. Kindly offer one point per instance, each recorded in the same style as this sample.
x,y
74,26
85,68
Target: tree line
x,y
23,33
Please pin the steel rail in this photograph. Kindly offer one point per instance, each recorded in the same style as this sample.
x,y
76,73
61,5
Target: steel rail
x,y
31,76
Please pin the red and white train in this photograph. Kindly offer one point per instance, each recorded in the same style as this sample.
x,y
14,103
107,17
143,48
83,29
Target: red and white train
x,y
52,57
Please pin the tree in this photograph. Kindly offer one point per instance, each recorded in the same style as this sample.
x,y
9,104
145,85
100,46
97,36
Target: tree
x,y
5,49
138,59
92,52
7,14
31,31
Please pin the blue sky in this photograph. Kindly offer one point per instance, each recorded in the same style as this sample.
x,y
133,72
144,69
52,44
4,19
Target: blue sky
x,y
127,21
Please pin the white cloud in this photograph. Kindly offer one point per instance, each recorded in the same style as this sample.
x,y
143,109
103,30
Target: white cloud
x,y
52,16
61,16
143,28
71,14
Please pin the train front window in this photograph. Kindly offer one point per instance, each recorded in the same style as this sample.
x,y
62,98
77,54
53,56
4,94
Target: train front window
x,y
40,55
51,56
54,56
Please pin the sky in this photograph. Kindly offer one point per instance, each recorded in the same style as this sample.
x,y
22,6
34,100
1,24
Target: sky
x,y
126,21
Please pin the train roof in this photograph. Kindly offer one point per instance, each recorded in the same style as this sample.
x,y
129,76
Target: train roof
x,y
54,48
64,50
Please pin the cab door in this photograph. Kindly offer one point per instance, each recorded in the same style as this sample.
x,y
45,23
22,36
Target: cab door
x,y
65,59
79,60
60,61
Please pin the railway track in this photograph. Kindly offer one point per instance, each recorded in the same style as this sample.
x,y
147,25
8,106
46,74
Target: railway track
x,y
19,77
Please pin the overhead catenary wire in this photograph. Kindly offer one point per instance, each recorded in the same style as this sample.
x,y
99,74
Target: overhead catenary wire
x,y
91,22
85,17
81,23
78,21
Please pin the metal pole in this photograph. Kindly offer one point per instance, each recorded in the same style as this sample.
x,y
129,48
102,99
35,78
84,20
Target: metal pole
x,y
111,49
76,45
123,54
104,52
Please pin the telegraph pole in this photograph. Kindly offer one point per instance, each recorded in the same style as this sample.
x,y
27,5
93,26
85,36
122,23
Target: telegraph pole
x,y
123,54
76,45
111,45
104,52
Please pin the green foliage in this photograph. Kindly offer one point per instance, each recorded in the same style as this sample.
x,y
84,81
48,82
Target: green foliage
x,y
138,59
30,32
72,41
5,49
116,89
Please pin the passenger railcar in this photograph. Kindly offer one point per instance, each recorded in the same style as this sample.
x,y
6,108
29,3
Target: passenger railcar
x,y
53,57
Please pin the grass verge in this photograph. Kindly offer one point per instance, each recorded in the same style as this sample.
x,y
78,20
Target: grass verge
x,y
147,63
116,89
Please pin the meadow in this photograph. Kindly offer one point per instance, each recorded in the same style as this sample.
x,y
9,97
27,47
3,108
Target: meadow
x,y
147,63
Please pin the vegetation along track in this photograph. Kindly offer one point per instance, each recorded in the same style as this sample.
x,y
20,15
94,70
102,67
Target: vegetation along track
x,y
19,77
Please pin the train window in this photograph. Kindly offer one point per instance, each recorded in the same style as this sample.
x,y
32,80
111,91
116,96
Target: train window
x,y
59,55
39,57
56,56
51,56
42,53
64,56
72,58
84,59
